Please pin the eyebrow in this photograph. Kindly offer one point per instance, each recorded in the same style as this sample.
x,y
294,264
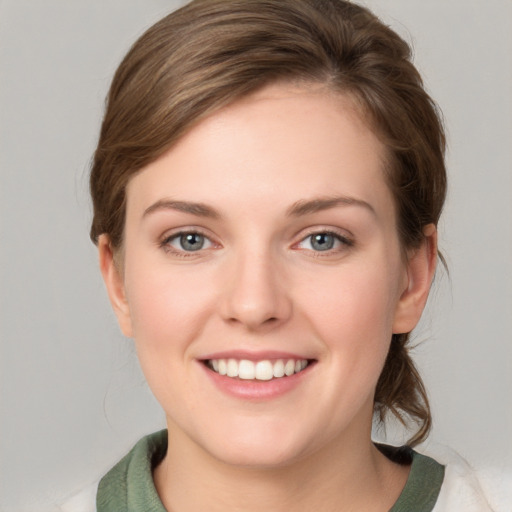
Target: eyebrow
x,y
305,207
198,209
299,208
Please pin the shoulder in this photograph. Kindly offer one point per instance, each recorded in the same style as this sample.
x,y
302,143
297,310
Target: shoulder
x,y
464,487
133,472
469,488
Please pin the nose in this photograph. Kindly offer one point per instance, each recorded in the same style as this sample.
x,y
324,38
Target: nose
x,y
255,293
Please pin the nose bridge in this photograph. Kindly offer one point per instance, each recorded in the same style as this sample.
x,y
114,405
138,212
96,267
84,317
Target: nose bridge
x,y
256,294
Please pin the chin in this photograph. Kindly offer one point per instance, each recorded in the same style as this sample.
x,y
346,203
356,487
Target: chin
x,y
256,457
258,448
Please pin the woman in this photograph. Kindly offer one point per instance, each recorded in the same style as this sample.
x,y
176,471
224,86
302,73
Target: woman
x,y
266,191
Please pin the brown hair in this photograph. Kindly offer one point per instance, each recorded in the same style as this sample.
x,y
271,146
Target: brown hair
x,y
210,53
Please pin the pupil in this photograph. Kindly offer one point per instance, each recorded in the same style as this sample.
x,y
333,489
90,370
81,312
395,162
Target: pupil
x,y
192,241
322,242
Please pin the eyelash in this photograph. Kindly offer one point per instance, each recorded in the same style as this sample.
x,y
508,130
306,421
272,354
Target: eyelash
x,y
345,241
165,244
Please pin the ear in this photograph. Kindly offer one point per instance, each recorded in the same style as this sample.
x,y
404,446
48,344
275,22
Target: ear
x,y
421,266
114,282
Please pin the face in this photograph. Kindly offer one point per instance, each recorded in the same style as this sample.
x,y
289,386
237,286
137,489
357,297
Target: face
x,y
263,277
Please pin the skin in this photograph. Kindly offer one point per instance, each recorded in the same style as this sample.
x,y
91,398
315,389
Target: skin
x,y
259,284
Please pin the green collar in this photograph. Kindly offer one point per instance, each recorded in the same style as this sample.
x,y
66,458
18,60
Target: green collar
x,y
423,484
129,485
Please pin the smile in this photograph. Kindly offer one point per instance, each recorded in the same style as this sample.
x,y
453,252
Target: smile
x,y
257,370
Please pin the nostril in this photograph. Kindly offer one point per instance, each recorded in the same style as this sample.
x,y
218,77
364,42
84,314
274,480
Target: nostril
x,y
268,321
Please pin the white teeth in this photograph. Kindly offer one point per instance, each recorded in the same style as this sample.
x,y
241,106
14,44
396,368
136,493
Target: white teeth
x,y
232,368
260,370
279,368
289,367
246,370
264,370
223,367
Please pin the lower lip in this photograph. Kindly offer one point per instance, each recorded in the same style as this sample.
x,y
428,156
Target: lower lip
x,y
256,389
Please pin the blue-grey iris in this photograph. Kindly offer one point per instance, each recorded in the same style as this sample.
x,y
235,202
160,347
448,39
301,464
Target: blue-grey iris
x,y
322,241
192,241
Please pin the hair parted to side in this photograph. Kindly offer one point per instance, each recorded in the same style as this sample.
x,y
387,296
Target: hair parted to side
x,y
210,53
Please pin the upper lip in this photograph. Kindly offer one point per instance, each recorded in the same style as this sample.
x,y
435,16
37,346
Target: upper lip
x,y
265,355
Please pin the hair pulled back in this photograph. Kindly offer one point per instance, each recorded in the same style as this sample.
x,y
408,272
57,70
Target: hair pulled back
x,y
210,53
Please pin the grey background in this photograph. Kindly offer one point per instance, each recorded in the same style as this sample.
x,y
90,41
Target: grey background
x,y
72,397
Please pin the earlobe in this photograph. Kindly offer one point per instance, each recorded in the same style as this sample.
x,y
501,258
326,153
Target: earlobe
x,y
421,267
115,284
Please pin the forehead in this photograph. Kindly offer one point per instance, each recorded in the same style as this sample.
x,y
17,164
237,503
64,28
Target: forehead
x,y
280,144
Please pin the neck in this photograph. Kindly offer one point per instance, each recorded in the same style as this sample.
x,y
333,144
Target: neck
x,y
347,475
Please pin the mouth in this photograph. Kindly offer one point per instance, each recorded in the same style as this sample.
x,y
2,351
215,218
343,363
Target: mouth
x,y
263,370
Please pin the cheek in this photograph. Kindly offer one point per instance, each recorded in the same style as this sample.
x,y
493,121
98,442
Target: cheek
x,y
353,312
358,295
167,308
164,317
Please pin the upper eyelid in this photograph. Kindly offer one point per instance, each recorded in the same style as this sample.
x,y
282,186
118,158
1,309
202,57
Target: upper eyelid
x,y
342,234
344,239
164,240
175,232
339,232
339,237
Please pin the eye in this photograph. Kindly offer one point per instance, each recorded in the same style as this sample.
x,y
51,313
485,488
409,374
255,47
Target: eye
x,y
324,241
187,242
